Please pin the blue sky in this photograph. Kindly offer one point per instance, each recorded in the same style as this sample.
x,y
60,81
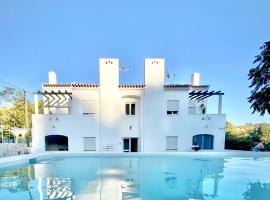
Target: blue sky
x,y
219,39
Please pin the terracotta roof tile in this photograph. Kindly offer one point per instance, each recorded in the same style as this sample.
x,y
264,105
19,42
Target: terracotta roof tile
x,y
71,85
88,85
184,86
132,86
176,85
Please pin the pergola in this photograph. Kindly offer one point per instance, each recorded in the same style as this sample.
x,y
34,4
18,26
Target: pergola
x,y
201,95
56,99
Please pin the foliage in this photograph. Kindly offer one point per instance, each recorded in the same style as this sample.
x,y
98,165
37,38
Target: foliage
x,y
243,137
13,114
260,81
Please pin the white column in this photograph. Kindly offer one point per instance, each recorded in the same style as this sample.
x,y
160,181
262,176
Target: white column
x,y
220,104
36,103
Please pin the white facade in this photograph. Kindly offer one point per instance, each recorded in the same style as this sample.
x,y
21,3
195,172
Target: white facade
x,y
152,117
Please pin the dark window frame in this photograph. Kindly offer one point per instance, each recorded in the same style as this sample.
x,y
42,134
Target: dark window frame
x,y
130,109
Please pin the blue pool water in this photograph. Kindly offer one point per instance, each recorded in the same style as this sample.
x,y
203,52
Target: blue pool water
x,y
139,177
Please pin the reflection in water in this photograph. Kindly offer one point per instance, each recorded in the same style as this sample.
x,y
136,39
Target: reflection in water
x,y
56,188
16,180
135,178
171,180
257,191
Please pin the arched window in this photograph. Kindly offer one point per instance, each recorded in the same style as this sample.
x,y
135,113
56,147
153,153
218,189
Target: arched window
x,y
56,143
205,141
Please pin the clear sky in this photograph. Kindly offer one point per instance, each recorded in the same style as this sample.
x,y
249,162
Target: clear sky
x,y
219,39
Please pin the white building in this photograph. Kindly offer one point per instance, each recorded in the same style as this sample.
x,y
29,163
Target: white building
x,y
151,117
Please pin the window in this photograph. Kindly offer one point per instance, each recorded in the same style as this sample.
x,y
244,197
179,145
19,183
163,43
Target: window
x,y
191,110
130,109
171,143
172,107
88,107
89,143
205,141
127,109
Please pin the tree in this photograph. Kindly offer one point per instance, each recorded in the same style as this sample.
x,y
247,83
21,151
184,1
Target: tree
x,y
12,110
260,81
9,95
229,128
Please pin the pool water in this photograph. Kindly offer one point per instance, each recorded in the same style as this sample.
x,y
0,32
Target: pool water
x,y
139,177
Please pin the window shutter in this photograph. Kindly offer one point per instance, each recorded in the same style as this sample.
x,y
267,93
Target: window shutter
x,y
172,105
89,143
88,107
171,143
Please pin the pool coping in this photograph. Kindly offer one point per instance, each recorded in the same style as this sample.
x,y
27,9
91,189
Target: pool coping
x,y
25,159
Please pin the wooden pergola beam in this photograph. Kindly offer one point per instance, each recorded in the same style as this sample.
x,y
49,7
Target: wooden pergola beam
x,y
55,99
199,95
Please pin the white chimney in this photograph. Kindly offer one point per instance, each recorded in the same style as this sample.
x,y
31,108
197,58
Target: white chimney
x,y
52,78
195,79
154,72
109,72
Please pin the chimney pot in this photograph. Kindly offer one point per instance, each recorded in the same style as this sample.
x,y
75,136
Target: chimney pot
x,y
52,78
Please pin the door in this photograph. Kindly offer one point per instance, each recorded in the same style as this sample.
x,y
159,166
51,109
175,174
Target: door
x,y
134,144
205,141
126,145
130,144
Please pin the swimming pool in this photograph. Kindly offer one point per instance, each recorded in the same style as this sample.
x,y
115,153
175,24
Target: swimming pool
x,y
134,177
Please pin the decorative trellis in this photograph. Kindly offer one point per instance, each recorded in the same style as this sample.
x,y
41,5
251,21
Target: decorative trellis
x,y
57,99
201,95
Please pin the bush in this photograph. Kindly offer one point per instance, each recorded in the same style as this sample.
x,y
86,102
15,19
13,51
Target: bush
x,y
237,143
244,142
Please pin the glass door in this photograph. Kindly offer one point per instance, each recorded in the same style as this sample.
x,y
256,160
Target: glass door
x,y
126,144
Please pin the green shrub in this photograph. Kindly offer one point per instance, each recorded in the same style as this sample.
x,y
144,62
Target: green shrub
x,y
245,142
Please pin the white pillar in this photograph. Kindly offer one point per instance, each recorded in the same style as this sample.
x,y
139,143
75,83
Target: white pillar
x,y
220,104
195,79
36,103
